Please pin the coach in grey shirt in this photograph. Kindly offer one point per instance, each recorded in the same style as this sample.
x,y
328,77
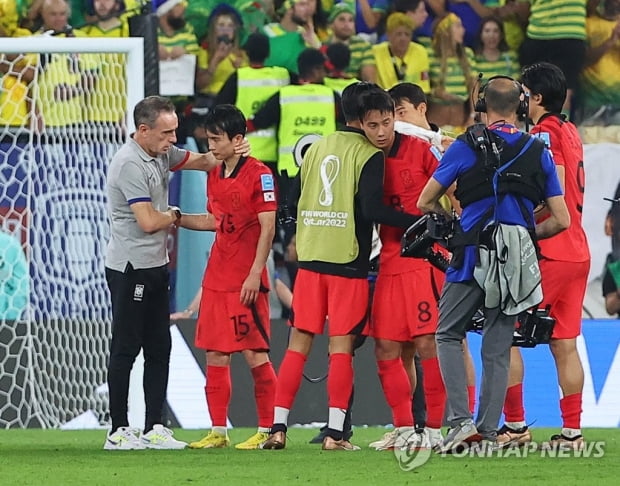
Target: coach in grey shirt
x,y
136,268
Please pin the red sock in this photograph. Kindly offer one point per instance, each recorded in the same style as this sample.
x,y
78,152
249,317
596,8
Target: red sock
x,y
264,392
513,404
397,390
434,392
570,406
289,378
339,380
471,395
217,391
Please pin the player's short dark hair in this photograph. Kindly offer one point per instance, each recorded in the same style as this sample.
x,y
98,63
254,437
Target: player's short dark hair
x,y
148,110
226,119
376,100
309,59
257,47
351,99
339,55
547,80
408,92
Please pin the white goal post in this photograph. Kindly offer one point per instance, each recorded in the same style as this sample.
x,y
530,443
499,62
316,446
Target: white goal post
x,y
65,108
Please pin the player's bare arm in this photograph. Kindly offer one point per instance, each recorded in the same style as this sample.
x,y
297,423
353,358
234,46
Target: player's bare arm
x,y
284,293
198,222
150,219
203,162
251,285
207,162
456,205
558,220
428,202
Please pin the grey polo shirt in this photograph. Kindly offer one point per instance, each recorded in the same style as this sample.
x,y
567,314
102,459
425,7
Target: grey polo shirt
x,y
134,176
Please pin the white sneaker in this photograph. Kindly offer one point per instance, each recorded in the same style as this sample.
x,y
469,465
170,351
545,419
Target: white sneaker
x,y
399,438
433,437
386,442
465,430
409,440
160,437
123,439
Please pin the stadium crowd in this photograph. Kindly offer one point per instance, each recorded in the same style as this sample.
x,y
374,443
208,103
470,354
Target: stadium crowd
x,y
440,45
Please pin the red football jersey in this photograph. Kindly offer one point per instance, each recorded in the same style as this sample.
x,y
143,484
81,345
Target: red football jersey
x,y
563,141
236,201
406,174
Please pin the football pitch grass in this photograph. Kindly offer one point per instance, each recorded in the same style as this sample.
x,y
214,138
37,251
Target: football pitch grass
x,y
54,457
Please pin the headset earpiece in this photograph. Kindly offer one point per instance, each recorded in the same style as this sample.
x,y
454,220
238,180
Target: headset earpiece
x,y
523,108
481,103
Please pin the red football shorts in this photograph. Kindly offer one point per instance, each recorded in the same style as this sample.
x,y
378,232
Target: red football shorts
x,y
318,297
564,287
227,326
406,305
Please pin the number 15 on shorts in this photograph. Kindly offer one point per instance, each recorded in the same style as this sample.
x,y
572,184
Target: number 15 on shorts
x,y
241,325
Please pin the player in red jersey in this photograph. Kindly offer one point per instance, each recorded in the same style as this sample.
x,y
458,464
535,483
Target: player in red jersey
x,y
338,195
234,309
405,308
564,264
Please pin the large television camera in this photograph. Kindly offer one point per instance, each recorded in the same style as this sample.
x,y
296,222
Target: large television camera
x,y
533,327
421,238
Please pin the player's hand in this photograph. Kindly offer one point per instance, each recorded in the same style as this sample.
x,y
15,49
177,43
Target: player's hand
x,y
249,289
175,316
176,214
243,147
446,141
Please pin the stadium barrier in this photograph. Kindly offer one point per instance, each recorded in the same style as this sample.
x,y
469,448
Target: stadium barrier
x,y
599,348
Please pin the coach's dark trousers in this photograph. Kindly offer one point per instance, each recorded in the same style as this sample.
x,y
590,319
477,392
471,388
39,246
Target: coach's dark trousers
x,y
140,320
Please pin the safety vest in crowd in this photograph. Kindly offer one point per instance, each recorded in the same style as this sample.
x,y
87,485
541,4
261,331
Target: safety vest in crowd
x,y
254,87
304,109
330,176
339,84
413,68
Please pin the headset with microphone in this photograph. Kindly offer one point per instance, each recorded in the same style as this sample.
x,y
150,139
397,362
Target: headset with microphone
x,y
481,104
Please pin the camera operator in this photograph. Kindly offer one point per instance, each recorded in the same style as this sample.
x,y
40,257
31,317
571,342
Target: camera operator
x,y
501,175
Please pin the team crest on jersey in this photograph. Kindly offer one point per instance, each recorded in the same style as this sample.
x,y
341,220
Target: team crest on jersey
x,y
269,196
235,200
266,182
544,136
406,179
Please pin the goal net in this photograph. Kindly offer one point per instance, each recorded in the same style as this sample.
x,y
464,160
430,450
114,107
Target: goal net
x,y
63,114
